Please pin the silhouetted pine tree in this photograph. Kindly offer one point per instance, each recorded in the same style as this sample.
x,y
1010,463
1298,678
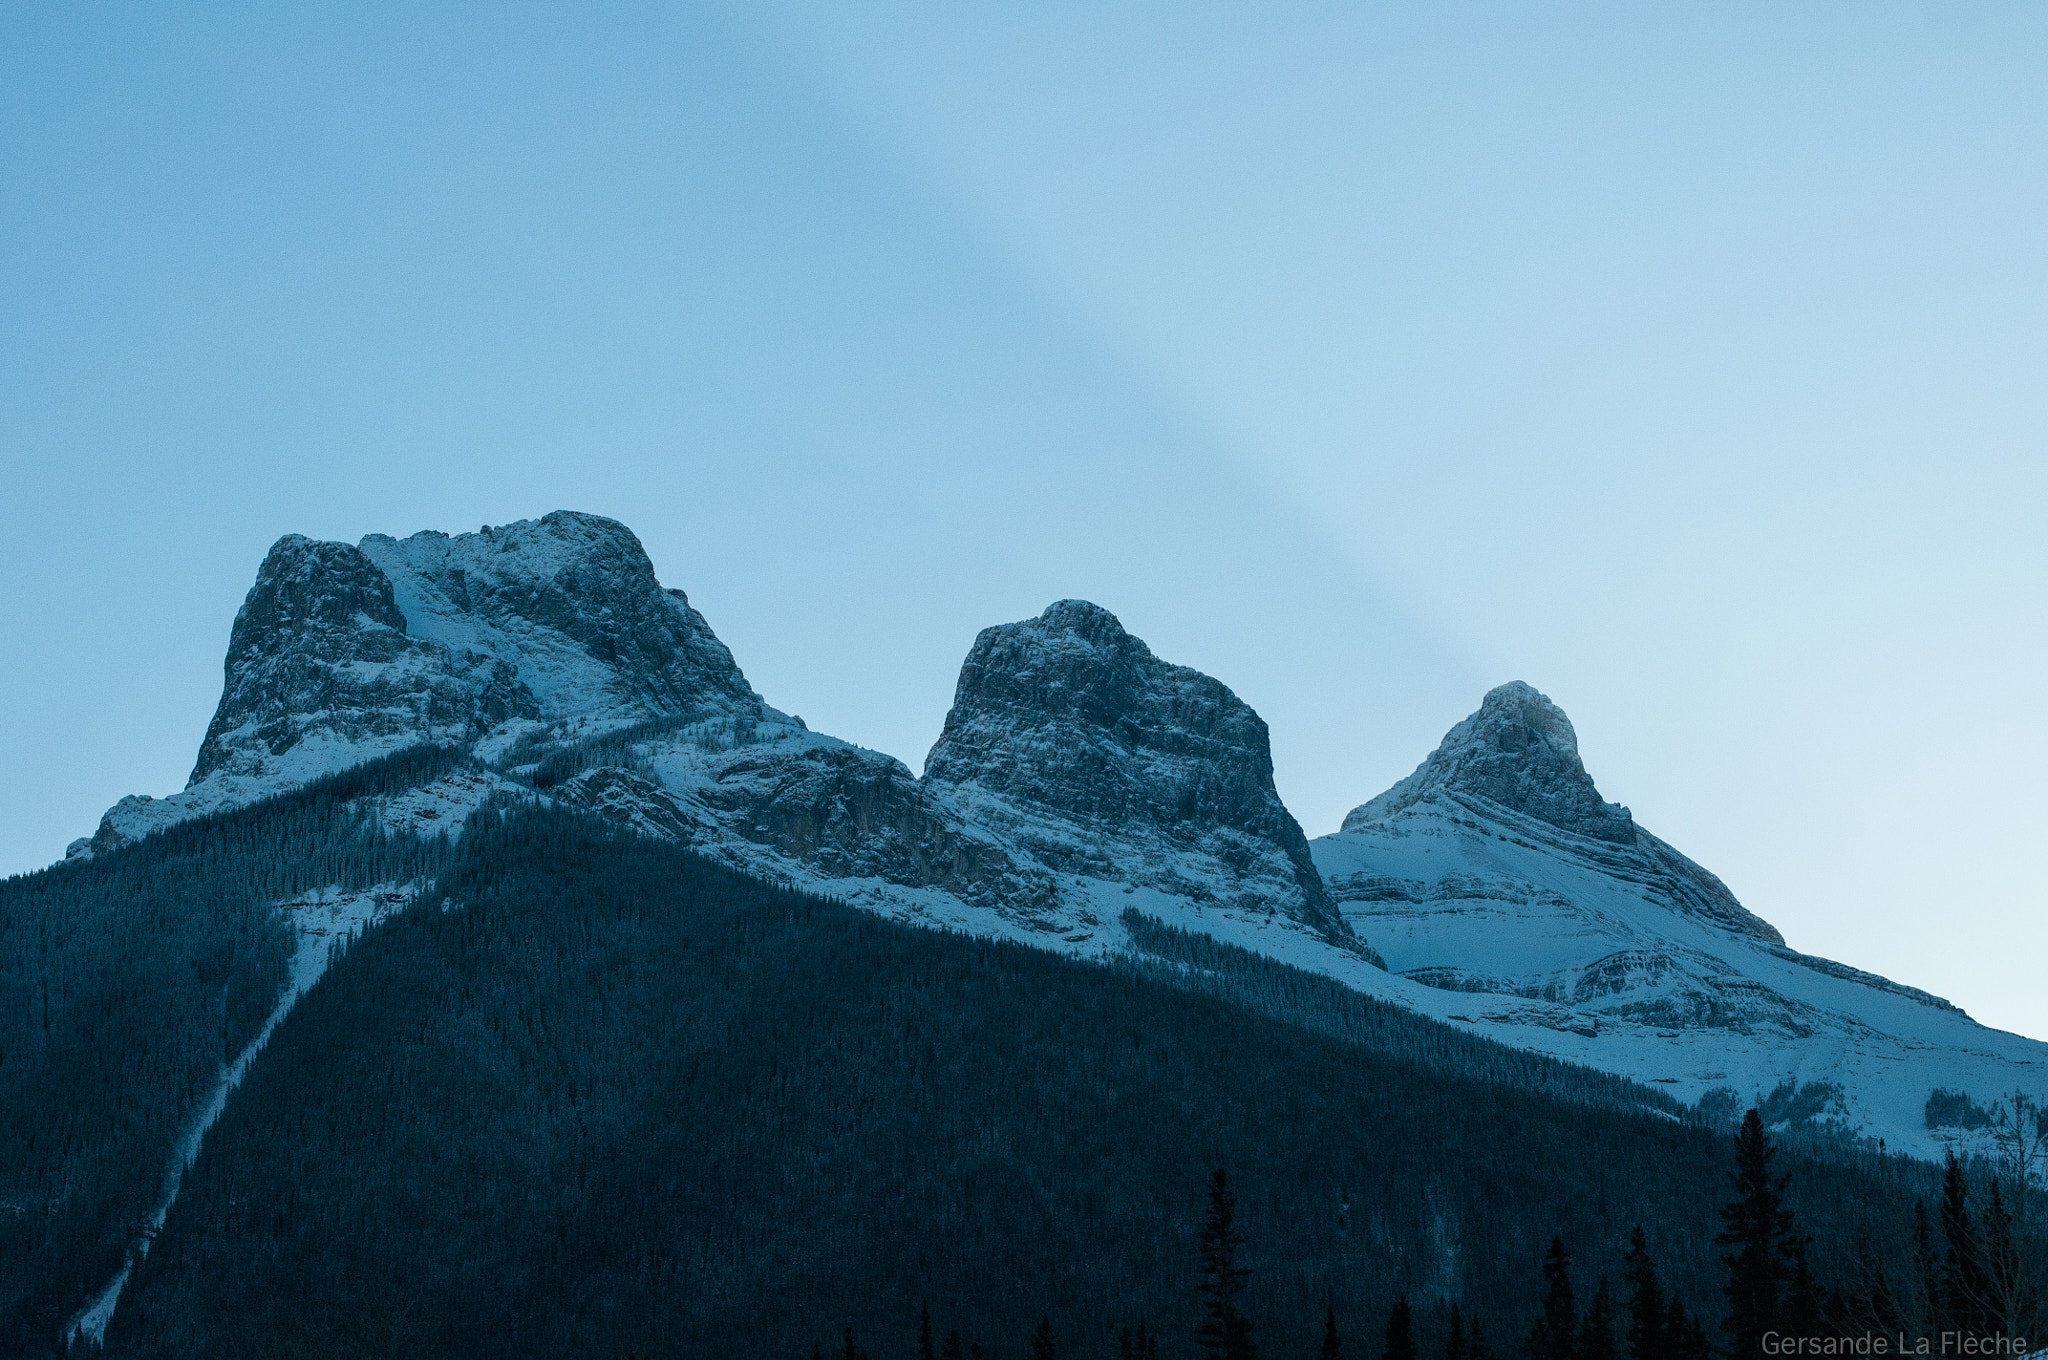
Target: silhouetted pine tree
x,y
952,1348
1870,1305
1685,1336
1400,1344
1927,1272
1596,1332
1476,1347
1759,1226
1333,1348
1226,1333
924,1331
1042,1347
849,1351
1962,1275
1647,1334
1804,1308
2008,1297
1454,1344
1555,1332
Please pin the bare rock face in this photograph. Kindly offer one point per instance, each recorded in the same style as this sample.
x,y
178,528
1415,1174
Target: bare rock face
x,y
1070,740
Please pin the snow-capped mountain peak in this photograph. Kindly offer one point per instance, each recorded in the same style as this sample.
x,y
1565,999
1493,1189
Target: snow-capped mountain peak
x,y
1520,751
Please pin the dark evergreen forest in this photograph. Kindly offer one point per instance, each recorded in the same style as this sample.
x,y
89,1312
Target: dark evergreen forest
x,y
615,1100
125,983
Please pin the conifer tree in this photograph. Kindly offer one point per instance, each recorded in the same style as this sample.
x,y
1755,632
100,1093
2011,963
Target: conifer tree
x,y
1476,1347
1596,1332
1801,1315
1759,1226
2009,1307
1962,1275
1554,1335
1684,1335
924,1331
1647,1336
849,1351
1454,1344
1927,1272
1226,1333
1400,1344
1333,1348
1042,1347
952,1348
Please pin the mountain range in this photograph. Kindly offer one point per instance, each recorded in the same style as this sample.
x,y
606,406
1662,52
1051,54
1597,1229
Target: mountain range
x,y
1078,779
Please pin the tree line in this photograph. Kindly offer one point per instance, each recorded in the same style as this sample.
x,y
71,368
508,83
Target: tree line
x,y
1979,1292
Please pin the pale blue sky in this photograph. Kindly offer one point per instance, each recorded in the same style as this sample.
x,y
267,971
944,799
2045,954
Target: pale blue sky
x,y
1685,362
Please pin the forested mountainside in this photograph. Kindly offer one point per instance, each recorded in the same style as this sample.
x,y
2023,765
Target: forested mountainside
x,y
127,982
597,1095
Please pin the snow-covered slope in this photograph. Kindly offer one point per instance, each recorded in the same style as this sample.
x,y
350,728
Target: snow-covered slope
x,y
1530,909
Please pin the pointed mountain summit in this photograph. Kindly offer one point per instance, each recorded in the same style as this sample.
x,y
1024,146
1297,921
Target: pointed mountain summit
x,y
1518,750
1069,739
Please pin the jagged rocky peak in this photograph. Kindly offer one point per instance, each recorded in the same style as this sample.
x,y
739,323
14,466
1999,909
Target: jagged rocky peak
x,y
1067,732
341,654
1518,750
439,638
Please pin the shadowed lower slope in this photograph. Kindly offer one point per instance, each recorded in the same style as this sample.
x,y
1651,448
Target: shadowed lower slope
x,y
616,1098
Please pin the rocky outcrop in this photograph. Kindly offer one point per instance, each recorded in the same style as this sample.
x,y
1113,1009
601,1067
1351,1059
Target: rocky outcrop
x,y
1070,740
791,801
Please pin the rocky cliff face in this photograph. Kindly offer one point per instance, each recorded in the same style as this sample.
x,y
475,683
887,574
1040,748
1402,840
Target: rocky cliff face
x,y
1070,739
